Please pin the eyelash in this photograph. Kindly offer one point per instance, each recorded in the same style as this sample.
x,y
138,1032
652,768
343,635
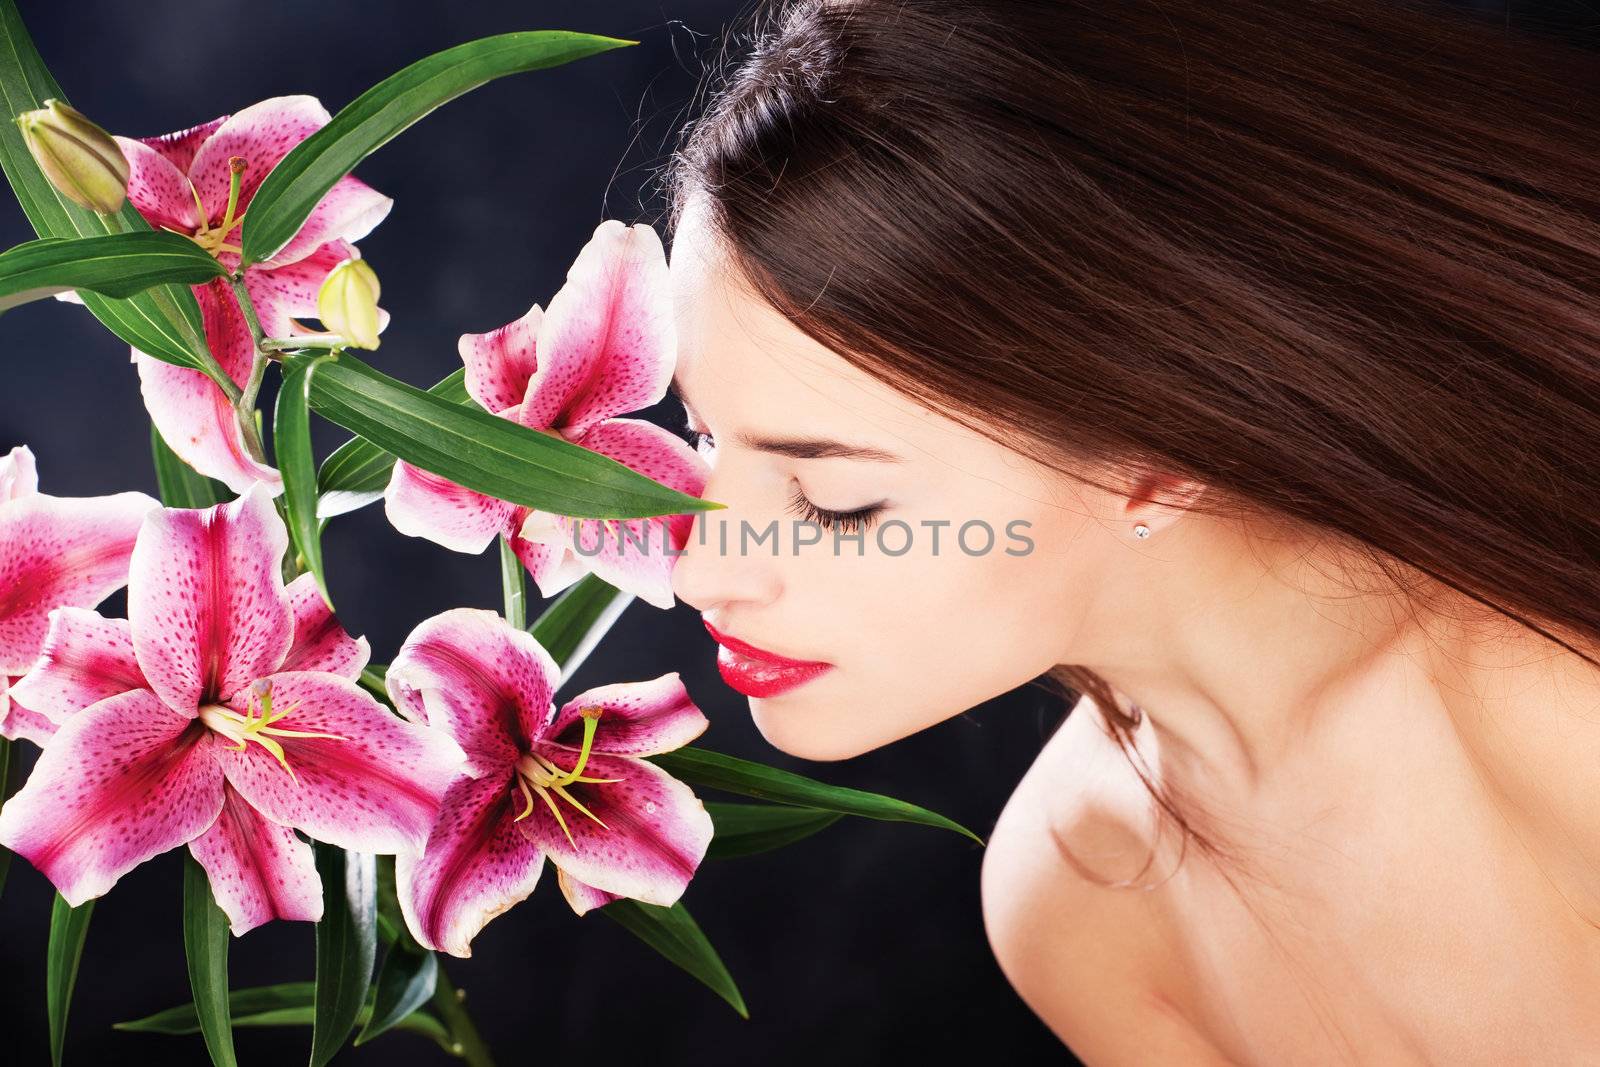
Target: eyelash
x,y
849,521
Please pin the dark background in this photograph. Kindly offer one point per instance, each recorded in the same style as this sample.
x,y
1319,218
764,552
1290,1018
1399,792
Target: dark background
x,y
861,945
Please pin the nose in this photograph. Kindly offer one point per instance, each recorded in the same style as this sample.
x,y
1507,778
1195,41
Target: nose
x,y
712,571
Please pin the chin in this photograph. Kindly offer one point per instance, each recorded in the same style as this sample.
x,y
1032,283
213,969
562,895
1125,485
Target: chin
x,y
798,734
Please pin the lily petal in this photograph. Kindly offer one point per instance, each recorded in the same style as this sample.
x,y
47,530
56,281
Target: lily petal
x,y
636,555
606,343
347,212
179,148
501,362
18,722
581,896
122,781
479,679
476,866
86,658
263,134
18,474
542,543
189,409
60,550
375,789
656,830
206,600
420,503
258,870
158,189
636,718
320,642
283,294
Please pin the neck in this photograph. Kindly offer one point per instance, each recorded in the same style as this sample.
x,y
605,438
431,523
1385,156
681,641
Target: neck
x,y
1234,644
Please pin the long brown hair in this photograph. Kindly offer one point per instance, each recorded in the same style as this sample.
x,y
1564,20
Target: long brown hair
x,y
1336,259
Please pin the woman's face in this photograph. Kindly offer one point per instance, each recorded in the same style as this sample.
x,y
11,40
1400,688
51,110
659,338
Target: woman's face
x,y
911,637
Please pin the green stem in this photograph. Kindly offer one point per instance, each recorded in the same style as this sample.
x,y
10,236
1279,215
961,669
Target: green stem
x,y
244,404
330,343
447,1002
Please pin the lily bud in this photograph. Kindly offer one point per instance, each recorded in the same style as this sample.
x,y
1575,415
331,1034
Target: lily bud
x,y
347,303
81,160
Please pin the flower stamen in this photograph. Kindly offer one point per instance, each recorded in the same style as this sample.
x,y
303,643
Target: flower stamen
x,y
248,727
536,773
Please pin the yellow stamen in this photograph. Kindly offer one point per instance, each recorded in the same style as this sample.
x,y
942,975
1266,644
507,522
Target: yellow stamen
x,y
536,773
244,728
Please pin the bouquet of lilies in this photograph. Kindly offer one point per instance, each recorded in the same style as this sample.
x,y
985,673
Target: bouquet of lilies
x,y
399,807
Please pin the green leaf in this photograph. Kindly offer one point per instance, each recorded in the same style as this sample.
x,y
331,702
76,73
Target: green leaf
x,y
289,1004
179,484
674,933
357,472
746,829
116,264
69,927
405,983
577,619
291,439
254,1000
205,942
513,588
300,181
699,766
163,322
347,945
371,679
10,782
484,452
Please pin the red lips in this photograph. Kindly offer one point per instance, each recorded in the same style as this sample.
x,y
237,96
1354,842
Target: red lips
x,y
758,673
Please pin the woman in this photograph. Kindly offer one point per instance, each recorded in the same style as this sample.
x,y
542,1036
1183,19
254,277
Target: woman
x,y
1263,338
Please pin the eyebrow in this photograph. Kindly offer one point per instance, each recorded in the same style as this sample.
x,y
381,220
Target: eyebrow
x,y
803,447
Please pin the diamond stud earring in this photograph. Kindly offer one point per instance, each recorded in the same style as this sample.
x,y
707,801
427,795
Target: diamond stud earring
x,y
1141,530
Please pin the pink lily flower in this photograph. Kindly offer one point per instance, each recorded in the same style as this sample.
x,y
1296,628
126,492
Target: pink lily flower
x,y
53,551
606,345
222,714
567,784
181,182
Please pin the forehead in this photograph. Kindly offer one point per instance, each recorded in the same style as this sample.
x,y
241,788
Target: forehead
x,y
739,358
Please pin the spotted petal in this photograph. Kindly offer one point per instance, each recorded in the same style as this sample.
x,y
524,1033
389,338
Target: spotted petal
x,y
376,788
18,475
637,555
500,363
606,342
320,642
179,148
262,134
635,718
189,409
581,896
206,599
258,870
656,830
476,866
122,781
60,550
158,189
420,503
282,295
541,542
481,680
86,658
347,212
18,722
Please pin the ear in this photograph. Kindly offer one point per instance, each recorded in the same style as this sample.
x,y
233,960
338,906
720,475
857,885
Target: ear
x,y
1160,500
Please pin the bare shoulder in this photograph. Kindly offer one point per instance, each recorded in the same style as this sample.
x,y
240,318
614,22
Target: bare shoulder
x,y
1098,965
